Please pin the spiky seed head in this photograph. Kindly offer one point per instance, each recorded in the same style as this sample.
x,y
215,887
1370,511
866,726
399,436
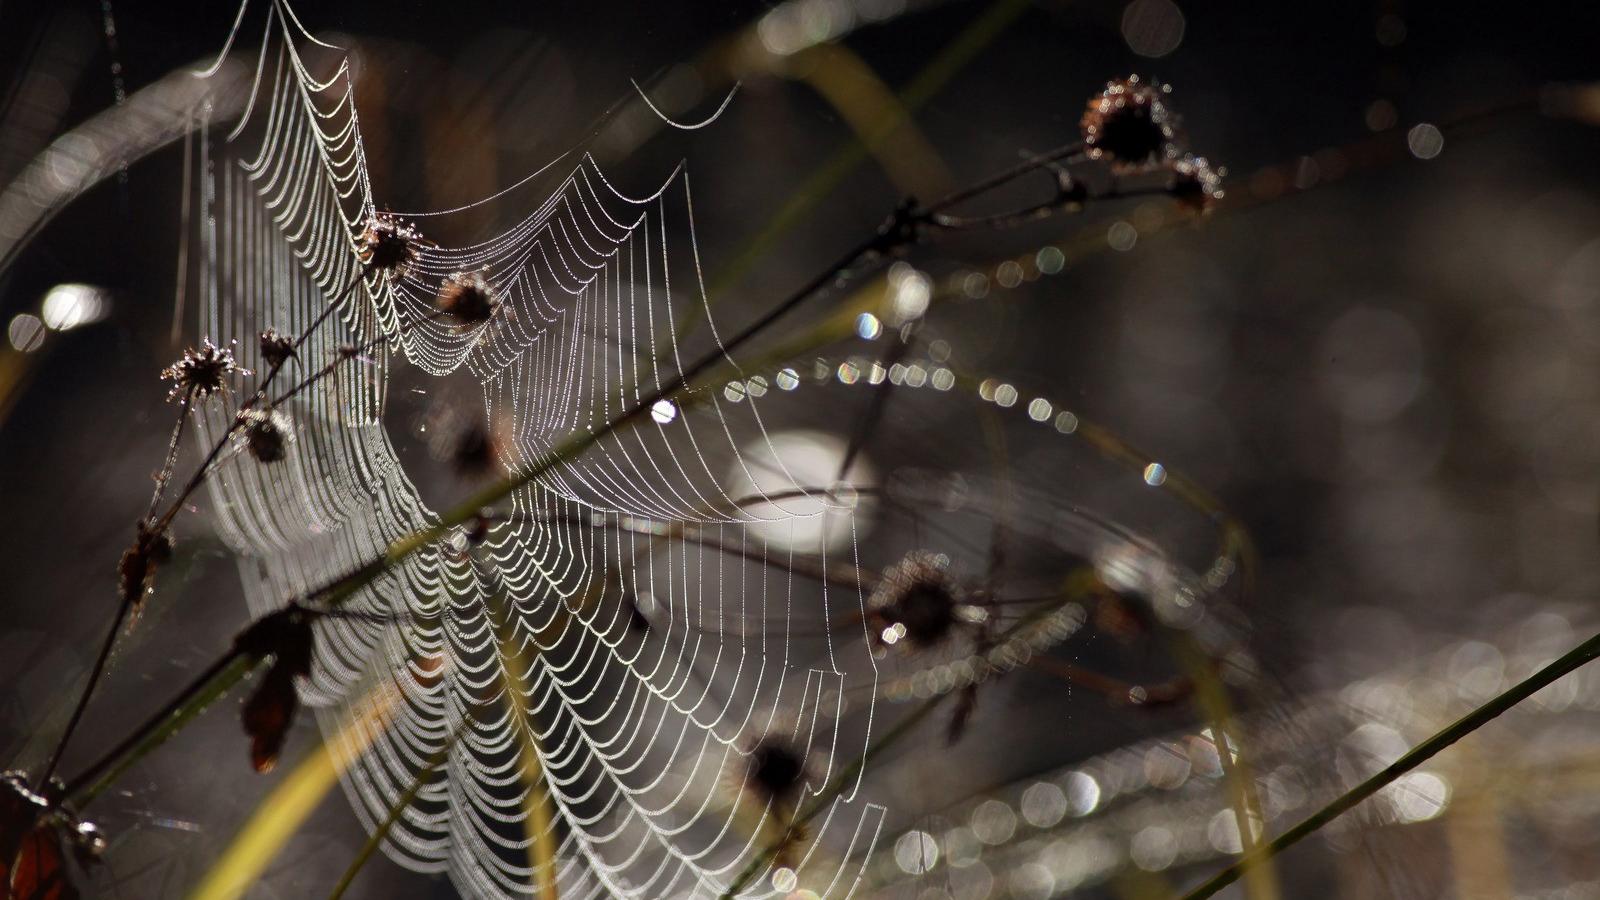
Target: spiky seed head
x,y
467,297
389,245
276,348
1129,123
199,373
267,434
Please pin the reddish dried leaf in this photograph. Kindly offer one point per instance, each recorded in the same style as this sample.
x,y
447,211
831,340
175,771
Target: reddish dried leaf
x,y
41,872
267,716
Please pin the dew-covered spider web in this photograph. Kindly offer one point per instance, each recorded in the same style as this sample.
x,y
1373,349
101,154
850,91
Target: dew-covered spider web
x,y
600,669
640,667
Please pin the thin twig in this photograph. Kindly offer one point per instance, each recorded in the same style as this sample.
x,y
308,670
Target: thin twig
x,y
210,685
354,352
378,835
124,606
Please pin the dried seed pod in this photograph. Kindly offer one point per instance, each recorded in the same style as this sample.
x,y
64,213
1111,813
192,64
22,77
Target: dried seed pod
x,y
136,571
467,297
389,245
286,636
267,434
1195,184
917,601
476,452
276,348
1130,123
200,373
267,716
775,775
775,772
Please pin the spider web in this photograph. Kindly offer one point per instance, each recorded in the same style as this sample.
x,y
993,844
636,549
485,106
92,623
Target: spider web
x,y
642,719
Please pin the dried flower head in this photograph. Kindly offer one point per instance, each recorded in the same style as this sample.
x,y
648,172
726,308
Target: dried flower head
x,y
267,434
773,779
136,571
286,636
1129,122
775,772
1195,183
467,297
389,245
200,373
475,453
276,348
917,601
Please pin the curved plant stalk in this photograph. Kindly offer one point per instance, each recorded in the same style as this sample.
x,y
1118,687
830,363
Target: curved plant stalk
x,y
293,800
1573,660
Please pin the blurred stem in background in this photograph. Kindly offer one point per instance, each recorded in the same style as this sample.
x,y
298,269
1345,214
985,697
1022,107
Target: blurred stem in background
x,y
1570,662
882,122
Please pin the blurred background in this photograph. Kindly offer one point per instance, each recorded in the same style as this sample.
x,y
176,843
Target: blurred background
x,y
1381,352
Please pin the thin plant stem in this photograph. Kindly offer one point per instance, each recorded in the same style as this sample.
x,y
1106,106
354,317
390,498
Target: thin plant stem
x,y
1032,164
834,788
171,460
124,606
207,687
352,353
1573,660
395,812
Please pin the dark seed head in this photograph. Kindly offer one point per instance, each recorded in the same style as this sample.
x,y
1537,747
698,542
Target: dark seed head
x,y
389,245
267,716
285,635
267,434
775,771
276,349
1129,123
477,530
199,373
467,298
917,601
475,452
136,571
